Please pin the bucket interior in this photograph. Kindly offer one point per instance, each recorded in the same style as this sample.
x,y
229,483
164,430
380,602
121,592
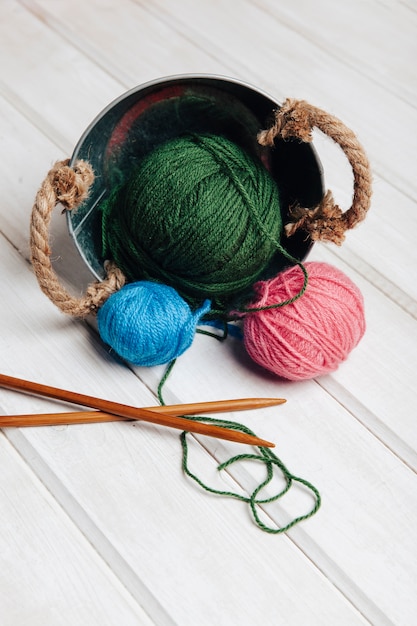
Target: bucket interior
x,y
151,114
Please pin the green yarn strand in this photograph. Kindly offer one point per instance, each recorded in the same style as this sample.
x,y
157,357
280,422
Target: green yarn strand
x,y
278,305
270,460
265,456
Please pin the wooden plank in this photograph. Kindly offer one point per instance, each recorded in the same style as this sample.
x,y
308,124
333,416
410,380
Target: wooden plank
x,y
158,51
49,572
60,96
375,38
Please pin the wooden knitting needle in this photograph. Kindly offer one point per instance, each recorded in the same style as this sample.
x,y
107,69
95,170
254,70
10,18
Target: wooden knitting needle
x,y
125,411
217,406
92,417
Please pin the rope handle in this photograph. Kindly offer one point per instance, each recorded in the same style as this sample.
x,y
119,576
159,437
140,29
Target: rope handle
x,y
326,221
68,186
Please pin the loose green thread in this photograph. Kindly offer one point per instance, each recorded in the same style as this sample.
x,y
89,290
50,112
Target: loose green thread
x,y
265,456
278,305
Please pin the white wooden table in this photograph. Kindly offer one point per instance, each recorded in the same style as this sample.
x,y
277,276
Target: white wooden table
x,y
98,524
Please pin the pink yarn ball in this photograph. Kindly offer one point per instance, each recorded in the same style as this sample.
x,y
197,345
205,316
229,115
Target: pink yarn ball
x,y
314,334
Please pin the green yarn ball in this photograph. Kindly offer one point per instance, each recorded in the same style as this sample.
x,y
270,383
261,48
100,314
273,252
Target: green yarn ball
x,y
198,214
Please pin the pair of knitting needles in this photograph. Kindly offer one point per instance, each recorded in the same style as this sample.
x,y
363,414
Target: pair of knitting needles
x,y
108,411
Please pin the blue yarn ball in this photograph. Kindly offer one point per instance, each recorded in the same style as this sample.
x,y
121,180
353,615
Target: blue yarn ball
x,y
148,323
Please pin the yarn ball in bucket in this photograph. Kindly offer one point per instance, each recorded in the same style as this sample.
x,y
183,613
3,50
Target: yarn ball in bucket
x,y
147,323
312,335
199,214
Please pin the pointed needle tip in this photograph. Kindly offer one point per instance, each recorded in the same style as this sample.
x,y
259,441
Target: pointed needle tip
x,y
271,401
265,444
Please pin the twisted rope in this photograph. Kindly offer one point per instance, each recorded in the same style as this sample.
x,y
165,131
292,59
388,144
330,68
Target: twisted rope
x,y
326,221
69,187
